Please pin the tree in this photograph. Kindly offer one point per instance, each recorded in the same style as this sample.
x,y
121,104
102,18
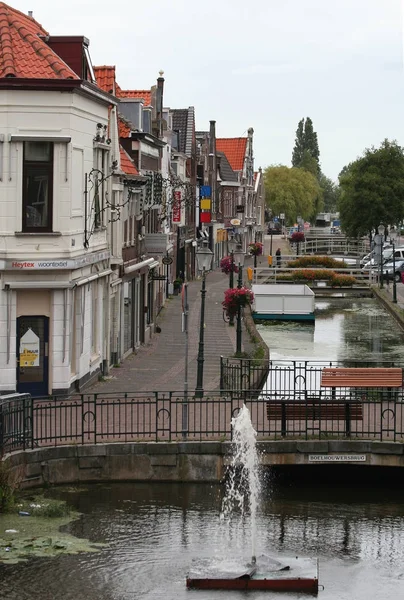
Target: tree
x,y
372,190
306,145
291,191
331,193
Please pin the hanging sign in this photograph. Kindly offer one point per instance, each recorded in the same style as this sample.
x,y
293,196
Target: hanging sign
x,y
177,208
29,349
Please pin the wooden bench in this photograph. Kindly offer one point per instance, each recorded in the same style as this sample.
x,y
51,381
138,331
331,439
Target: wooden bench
x,y
314,410
362,378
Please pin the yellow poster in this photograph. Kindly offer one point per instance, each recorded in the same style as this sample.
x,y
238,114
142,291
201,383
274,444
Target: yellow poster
x,y
29,349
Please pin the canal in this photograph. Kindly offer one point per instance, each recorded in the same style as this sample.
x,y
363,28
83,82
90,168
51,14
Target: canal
x,y
345,329
154,532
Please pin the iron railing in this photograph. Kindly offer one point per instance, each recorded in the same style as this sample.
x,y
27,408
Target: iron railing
x,y
376,414
15,422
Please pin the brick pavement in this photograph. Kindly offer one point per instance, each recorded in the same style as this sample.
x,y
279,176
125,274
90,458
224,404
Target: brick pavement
x,y
160,364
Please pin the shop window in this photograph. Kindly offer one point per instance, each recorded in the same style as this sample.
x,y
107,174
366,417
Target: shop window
x,y
37,187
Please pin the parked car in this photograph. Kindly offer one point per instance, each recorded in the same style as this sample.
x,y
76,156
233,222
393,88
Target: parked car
x,y
391,271
387,256
368,257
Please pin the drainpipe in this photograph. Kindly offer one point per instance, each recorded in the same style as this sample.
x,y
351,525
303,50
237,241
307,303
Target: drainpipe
x,y
213,167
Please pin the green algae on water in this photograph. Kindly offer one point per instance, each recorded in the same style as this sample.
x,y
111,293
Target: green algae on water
x,y
38,536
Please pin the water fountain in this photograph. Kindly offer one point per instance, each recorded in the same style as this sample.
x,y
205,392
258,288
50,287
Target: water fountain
x,y
242,499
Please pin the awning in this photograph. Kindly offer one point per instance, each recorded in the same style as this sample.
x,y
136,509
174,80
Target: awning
x,y
154,264
84,280
137,266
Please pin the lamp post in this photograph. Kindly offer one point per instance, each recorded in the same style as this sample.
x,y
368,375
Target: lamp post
x,y
204,256
232,245
239,256
380,231
394,273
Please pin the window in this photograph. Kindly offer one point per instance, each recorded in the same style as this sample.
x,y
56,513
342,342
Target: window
x,y
38,186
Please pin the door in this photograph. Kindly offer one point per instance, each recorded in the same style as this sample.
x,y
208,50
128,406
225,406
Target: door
x,y
33,355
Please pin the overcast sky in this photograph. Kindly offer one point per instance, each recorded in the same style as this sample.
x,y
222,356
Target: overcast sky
x,y
259,63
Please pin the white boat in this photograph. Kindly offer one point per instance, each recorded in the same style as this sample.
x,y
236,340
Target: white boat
x,y
283,302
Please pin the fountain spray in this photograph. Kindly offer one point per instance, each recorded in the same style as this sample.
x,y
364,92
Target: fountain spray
x,y
243,485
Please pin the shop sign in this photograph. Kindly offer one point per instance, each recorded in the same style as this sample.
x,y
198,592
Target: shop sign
x,y
29,349
57,263
176,216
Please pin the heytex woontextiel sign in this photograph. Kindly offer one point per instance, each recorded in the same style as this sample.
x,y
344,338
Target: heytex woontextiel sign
x,y
54,264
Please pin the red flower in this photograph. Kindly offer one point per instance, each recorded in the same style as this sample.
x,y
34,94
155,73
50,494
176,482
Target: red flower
x,y
255,249
235,297
228,265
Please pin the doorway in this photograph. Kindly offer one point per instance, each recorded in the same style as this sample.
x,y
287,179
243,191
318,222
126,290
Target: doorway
x,y
33,355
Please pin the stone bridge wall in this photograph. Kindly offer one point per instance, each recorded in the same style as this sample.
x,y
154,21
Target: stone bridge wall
x,y
184,461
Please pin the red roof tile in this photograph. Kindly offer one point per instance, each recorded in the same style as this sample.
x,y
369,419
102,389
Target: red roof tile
x,y
105,77
144,95
23,53
127,165
123,127
234,149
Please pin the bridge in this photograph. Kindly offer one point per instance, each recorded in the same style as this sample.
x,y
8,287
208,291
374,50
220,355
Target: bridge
x,y
171,436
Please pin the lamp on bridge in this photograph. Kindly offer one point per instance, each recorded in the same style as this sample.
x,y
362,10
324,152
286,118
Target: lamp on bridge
x,y
204,256
380,231
239,258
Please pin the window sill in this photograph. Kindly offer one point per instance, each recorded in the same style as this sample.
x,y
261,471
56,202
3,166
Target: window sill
x,y
95,358
36,233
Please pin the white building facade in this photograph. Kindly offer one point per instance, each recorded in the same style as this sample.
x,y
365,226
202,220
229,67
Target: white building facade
x,y
56,298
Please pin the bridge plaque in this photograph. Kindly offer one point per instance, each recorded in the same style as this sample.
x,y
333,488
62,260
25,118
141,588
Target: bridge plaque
x,y
336,458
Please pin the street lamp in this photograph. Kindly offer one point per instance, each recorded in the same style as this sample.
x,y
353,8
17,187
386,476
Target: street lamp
x,y
394,272
231,245
380,231
239,257
204,256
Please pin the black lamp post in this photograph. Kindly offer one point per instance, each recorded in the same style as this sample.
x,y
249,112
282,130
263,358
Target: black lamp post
x,y
394,273
232,245
204,258
239,257
380,231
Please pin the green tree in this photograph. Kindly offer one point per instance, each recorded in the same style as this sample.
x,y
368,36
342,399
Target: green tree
x,y
330,192
291,191
372,190
306,145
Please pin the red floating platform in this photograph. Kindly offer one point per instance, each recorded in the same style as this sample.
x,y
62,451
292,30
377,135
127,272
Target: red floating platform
x,y
300,575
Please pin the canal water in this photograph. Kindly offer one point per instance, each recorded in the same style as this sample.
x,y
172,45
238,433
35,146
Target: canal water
x,y
345,329
154,532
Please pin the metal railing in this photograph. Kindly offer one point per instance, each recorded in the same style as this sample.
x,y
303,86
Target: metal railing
x,y
276,275
243,374
98,419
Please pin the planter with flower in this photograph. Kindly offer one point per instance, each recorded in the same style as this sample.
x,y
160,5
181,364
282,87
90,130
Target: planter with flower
x,y
235,297
227,265
255,249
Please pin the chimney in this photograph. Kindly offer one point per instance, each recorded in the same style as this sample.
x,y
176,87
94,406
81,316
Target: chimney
x,y
30,14
213,166
159,105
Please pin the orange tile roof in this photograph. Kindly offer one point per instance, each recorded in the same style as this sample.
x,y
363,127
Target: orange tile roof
x,y
123,127
105,77
127,165
234,149
144,95
23,53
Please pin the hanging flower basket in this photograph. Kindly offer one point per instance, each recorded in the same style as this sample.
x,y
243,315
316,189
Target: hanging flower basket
x,y
228,265
255,249
235,297
297,237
